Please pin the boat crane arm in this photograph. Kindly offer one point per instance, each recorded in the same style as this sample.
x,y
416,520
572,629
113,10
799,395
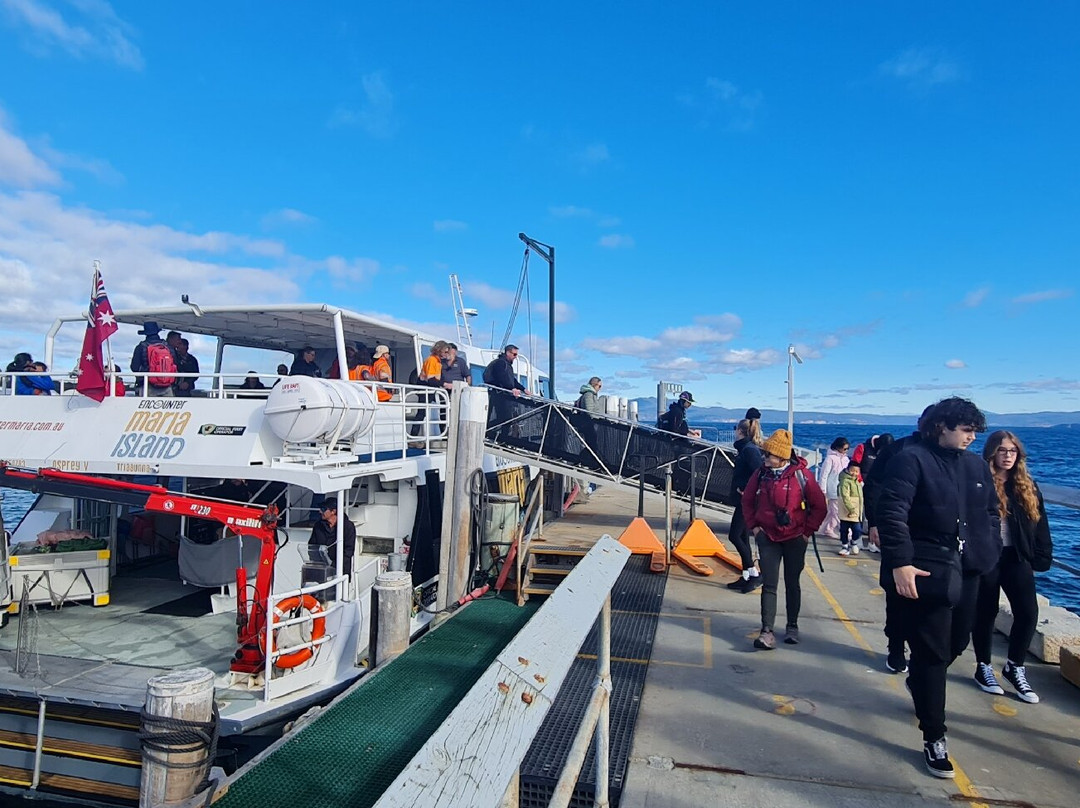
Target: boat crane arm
x,y
246,520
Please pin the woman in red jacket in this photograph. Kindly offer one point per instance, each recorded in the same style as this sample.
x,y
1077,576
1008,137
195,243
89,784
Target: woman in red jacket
x,y
784,504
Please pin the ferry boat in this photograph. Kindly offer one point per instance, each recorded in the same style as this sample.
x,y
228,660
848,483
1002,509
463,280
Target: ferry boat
x,y
187,521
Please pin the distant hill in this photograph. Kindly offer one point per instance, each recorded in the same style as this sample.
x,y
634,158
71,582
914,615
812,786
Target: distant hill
x,y
647,407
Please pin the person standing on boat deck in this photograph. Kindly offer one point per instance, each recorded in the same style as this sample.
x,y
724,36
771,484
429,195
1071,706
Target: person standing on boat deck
x,y
500,373
937,519
380,371
455,368
185,363
784,504
324,533
588,400
828,477
304,364
1028,548
140,360
748,459
17,365
431,376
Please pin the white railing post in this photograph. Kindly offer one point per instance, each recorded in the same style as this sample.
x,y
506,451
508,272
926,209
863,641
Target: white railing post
x,y
603,682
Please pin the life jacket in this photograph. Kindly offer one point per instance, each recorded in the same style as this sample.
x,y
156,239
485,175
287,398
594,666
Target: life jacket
x,y
376,369
161,365
356,374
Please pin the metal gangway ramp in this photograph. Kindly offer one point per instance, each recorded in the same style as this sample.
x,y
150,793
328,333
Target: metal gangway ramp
x,y
607,450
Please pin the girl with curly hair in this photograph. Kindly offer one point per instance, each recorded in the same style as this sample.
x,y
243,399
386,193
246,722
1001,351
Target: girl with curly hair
x,y
1027,549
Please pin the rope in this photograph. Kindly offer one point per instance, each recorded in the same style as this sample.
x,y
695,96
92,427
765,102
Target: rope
x,y
161,735
517,297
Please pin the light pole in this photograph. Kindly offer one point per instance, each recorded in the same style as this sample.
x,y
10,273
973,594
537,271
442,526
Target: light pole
x,y
791,354
547,252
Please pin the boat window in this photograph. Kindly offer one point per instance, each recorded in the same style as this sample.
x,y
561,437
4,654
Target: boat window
x,y
477,373
545,387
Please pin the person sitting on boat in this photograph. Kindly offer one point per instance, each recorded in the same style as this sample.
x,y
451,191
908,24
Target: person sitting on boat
x,y
119,389
324,534
674,420
140,360
185,363
358,371
380,371
35,385
304,364
18,365
252,381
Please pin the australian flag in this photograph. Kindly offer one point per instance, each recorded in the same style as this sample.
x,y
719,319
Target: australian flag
x,y
101,324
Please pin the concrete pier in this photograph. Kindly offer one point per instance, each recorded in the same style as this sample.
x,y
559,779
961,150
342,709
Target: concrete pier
x,y
821,723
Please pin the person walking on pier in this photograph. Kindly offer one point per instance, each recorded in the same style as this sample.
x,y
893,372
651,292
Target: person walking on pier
x,y
748,460
783,502
937,519
828,478
1028,548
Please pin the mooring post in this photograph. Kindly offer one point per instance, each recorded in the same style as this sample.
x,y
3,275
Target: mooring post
x,y
177,736
393,593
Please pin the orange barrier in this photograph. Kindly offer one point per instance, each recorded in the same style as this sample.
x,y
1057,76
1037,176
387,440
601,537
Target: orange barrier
x,y
640,539
700,542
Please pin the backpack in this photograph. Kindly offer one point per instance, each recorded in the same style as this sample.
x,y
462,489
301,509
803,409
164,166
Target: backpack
x,y
489,372
580,403
669,421
160,363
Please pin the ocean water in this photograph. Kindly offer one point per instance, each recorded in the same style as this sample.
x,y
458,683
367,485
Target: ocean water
x,y
1051,460
1051,454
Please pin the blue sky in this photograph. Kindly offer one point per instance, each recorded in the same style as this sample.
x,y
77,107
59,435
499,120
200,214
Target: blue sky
x,y
892,187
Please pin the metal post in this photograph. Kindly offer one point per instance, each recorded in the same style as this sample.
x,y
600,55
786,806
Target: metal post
x,y
602,738
547,252
667,513
791,354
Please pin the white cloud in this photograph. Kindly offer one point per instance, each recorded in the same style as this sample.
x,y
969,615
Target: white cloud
x,y
375,115
95,166
570,212
1041,297
724,103
616,241
922,68
622,346
749,359
488,296
349,271
564,312
975,298
286,217
427,291
97,33
19,166
449,225
956,364
694,335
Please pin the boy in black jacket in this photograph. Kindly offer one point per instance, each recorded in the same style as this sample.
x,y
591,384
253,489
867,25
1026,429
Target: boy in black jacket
x,y
937,518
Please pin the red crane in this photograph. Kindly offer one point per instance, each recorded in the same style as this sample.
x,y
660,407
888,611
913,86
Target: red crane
x,y
246,520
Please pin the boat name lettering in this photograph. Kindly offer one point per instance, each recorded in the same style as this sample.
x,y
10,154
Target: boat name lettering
x,y
153,434
244,522
136,468
162,404
71,465
32,426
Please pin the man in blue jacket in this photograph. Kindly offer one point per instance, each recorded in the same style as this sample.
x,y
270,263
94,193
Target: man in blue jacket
x,y
937,518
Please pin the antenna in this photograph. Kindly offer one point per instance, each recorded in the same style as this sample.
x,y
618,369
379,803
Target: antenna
x,y
461,314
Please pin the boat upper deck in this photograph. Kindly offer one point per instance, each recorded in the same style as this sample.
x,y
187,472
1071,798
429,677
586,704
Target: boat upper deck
x,y
821,723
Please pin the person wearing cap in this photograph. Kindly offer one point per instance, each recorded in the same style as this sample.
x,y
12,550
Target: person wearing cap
x,y
140,361
304,364
783,503
674,420
380,371
324,533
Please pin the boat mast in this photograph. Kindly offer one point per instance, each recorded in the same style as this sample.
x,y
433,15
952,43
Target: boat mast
x,y
461,314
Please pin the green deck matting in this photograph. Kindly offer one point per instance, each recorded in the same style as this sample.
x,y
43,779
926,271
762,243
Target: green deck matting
x,y
351,753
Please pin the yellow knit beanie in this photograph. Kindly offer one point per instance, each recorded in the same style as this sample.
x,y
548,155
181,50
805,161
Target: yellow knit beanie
x,y
779,444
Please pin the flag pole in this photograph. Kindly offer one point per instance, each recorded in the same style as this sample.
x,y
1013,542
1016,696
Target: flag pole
x,y
111,375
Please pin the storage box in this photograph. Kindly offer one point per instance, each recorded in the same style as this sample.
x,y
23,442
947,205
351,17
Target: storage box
x,y
59,578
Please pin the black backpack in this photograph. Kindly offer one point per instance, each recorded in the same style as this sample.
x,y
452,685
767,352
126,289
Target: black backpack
x,y
667,422
489,372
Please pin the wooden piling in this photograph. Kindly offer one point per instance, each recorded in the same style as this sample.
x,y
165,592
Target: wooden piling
x,y
171,777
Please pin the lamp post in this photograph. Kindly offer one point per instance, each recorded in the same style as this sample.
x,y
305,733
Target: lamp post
x,y
791,354
547,252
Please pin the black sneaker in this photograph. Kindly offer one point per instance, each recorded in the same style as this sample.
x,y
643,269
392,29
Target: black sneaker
x,y
896,663
738,583
752,583
1016,676
792,635
987,682
936,757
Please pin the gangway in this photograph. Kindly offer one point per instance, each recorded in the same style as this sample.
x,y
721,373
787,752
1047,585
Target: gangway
x,y
606,450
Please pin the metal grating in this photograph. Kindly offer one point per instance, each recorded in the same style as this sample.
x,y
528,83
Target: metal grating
x,y
636,600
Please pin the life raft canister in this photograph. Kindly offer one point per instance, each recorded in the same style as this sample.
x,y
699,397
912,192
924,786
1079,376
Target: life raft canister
x,y
318,628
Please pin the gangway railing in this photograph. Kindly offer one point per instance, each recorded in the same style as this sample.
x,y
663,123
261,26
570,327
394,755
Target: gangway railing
x,y
604,449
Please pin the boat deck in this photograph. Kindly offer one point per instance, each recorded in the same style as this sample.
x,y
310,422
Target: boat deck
x,y
821,723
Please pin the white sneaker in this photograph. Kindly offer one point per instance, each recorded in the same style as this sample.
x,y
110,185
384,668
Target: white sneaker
x,y
872,548
844,551
854,549
987,682
1016,676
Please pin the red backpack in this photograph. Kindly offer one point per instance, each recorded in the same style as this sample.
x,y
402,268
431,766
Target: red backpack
x,y
160,362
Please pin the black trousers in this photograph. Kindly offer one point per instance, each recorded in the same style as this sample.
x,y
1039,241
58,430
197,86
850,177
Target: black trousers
x,y
1014,576
739,536
771,554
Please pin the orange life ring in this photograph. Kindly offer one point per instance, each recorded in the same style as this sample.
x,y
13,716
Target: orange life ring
x,y
318,628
